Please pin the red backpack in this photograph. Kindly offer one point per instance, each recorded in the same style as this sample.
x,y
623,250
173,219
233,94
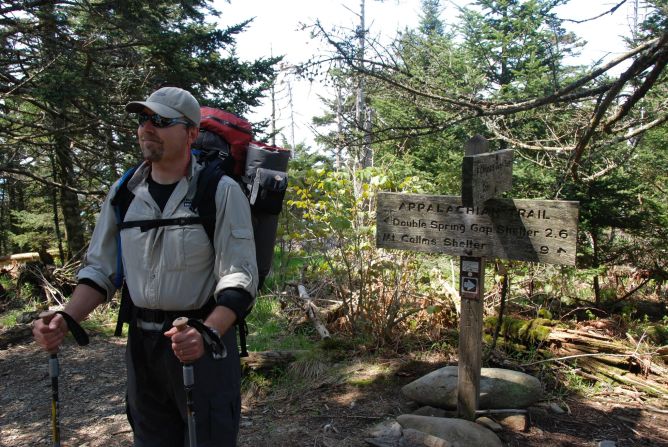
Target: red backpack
x,y
234,130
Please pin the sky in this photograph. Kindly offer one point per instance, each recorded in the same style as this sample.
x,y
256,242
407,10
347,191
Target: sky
x,y
276,30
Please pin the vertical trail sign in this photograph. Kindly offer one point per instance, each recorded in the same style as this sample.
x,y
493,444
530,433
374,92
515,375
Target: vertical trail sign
x,y
486,175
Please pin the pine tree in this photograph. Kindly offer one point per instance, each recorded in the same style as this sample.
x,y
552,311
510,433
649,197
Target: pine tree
x,y
69,67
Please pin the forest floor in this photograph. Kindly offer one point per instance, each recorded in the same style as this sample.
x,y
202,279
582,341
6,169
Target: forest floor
x,y
325,413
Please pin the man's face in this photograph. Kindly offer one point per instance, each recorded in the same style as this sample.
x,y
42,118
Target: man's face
x,y
164,144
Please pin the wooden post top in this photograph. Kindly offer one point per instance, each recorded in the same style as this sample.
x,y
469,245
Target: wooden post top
x,y
476,145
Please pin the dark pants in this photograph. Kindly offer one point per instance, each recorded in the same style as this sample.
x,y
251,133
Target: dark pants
x,y
156,399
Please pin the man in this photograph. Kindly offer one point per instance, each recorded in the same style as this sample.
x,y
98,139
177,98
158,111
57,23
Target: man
x,y
172,271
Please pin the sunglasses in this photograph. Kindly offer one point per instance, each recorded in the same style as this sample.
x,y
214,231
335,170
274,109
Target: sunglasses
x,y
160,121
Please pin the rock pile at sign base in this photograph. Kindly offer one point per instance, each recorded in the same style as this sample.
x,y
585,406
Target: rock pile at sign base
x,y
499,388
425,431
437,392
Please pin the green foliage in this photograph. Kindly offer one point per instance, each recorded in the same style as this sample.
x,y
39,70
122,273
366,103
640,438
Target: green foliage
x,y
103,320
656,333
519,44
268,328
337,213
578,384
33,231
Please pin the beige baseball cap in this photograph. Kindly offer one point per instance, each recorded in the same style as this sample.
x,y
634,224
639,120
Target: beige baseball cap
x,y
170,102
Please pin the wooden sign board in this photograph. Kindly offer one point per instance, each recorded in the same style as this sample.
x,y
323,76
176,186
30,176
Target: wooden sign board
x,y
525,230
485,176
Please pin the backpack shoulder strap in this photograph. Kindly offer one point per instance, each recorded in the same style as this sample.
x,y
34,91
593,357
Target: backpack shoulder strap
x,y
204,202
121,203
123,196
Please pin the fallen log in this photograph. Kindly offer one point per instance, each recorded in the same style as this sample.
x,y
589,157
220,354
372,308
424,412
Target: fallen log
x,y
529,332
597,356
16,334
608,373
587,341
264,360
19,257
24,257
312,312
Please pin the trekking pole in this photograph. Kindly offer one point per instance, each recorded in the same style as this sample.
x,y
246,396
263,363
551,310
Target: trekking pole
x,y
46,317
188,383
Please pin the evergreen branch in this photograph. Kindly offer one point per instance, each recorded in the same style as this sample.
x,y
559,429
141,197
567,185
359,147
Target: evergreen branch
x,y
44,181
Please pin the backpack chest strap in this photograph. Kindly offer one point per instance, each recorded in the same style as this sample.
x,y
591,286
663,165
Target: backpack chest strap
x,y
145,225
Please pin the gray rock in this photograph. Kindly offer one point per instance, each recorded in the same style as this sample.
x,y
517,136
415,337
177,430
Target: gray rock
x,y
499,388
489,423
386,429
435,412
517,422
459,432
606,444
555,408
415,438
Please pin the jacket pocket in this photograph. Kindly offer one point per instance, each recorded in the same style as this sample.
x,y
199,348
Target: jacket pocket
x,y
240,247
186,248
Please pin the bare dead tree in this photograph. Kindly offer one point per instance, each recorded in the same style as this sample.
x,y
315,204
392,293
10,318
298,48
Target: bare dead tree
x,y
604,106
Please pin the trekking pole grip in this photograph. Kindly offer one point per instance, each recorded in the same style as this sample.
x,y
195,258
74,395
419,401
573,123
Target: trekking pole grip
x,y
46,318
180,323
188,377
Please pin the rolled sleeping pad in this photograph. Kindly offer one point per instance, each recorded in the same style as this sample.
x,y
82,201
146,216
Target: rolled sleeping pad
x,y
264,227
260,155
266,176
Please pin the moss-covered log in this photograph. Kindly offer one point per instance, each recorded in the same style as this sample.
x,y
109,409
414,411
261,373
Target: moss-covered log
x,y
265,360
610,373
529,332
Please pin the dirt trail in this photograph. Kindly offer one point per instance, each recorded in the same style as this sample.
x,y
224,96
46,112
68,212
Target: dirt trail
x,y
92,389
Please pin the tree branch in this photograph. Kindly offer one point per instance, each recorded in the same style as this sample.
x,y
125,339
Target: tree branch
x,y
44,181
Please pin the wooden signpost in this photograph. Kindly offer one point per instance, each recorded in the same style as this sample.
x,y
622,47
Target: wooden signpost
x,y
476,226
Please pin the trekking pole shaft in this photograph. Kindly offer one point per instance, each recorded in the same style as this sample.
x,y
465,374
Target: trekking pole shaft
x,y
54,372
55,401
188,384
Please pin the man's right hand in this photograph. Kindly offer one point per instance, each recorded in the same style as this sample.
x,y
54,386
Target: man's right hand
x,y
50,336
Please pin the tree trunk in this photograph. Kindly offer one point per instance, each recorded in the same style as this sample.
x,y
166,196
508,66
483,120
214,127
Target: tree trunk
x,y
3,215
64,169
597,287
56,219
16,203
69,201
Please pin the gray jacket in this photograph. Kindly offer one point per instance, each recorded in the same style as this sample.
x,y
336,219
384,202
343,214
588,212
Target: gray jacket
x,y
174,267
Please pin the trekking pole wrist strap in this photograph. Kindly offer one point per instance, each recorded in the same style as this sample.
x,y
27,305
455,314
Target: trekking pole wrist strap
x,y
77,331
211,338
